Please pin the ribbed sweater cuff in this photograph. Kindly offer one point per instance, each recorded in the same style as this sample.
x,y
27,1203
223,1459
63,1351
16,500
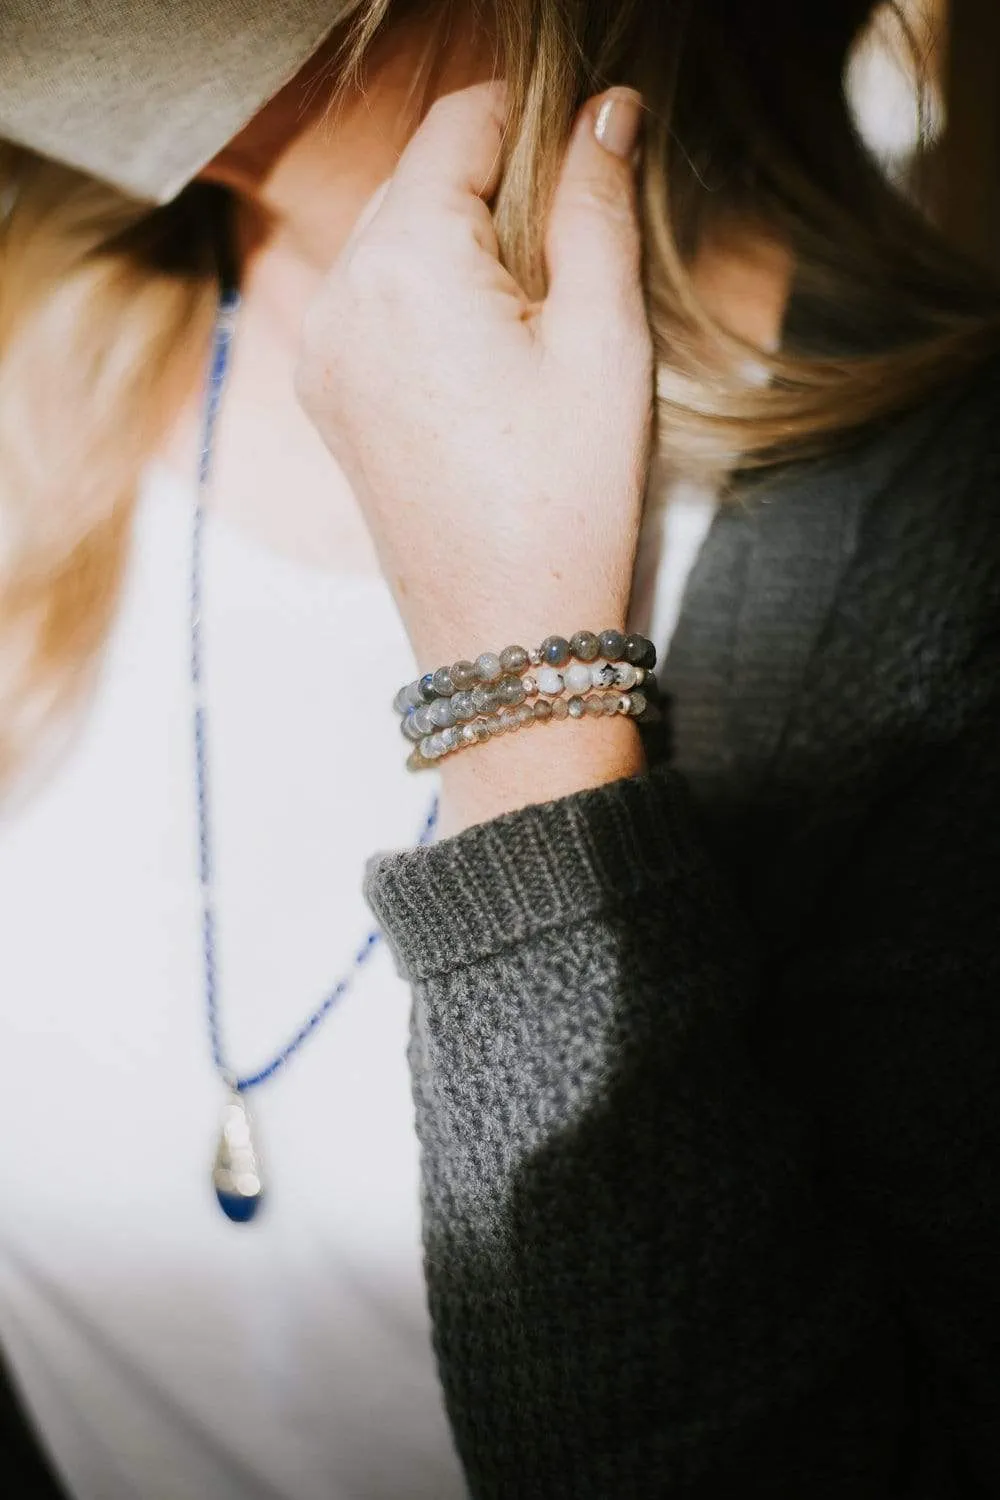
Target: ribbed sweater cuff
x,y
502,883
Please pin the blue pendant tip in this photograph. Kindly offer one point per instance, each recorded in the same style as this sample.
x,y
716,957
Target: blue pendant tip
x,y
238,1208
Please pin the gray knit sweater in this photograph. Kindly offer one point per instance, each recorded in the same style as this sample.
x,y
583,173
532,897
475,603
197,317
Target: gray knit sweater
x,y
706,1062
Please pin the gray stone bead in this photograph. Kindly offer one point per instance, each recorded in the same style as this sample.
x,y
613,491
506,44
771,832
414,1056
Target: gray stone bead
x,y
425,687
513,659
429,747
484,699
468,734
488,667
575,708
443,685
442,713
640,651
511,691
463,706
401,702
463,676
494,726
508,718
611,644
626,676
638,705
481,730
542,710
423,718
585,645
525,714
411,728
559,708
593,707
451,738
554,651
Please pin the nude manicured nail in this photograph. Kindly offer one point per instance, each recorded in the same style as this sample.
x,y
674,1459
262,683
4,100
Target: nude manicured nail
x,y
618,121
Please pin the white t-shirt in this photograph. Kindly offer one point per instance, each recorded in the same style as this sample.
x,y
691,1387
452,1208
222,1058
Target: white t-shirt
x,y
163,1351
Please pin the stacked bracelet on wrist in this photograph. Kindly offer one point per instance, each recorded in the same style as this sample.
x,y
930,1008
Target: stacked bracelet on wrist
x,y
468,703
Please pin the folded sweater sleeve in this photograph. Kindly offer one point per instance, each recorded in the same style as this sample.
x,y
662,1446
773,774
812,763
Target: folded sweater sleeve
x,y
654,1268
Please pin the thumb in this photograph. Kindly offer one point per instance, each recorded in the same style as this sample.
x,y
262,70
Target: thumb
x,y
593,247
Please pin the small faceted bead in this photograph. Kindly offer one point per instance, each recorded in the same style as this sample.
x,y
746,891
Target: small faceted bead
x,y
494,726
535,657
451,738
560,709
585,645
463,675
513,659
468,734
530,685
554,651
603,674
608,705
542,710
612,644
640,651
443,685
442,713
549,681
511,691
481,730
575,708
431,747
423,719
638,704
626,676
594,707
525,715
577,678
614,701
426,686
508,718
488,667
463,706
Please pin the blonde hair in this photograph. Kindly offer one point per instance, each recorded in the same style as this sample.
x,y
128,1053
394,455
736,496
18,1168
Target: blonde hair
x,y
105,306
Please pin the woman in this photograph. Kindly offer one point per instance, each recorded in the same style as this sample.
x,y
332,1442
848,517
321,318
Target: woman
x,y
704,1037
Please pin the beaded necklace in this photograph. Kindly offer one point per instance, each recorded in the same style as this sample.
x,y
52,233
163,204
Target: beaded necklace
x,y
236,1175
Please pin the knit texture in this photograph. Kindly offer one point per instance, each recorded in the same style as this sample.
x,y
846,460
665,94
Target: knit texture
x,y
706,1062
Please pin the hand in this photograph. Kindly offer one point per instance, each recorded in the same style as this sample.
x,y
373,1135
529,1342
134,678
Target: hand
x,y
498,447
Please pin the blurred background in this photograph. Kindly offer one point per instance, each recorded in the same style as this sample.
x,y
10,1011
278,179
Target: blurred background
x,y
925,83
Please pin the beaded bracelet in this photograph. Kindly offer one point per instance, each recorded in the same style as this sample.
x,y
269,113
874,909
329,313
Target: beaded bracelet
x,y
574,681
599,702
554,652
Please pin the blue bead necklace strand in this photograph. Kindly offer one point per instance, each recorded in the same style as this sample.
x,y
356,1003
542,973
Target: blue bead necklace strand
x,y
236,1176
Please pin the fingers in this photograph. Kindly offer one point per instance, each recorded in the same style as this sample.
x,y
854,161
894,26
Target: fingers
x,y
593,244
450,168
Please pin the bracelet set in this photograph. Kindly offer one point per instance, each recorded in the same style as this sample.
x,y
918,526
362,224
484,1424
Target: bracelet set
x,y
470,702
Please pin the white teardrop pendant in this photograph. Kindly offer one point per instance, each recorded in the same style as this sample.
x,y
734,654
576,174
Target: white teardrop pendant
x,y
236,1176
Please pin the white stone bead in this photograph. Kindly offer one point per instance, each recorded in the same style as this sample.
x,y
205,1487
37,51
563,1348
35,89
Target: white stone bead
x,y
602,674
577,677
625,675
550,682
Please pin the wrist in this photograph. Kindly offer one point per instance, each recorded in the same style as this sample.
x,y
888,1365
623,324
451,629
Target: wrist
x,y
517,771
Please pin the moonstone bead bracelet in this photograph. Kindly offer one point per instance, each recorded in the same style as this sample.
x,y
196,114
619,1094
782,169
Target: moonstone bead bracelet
x,y
598,703
556,652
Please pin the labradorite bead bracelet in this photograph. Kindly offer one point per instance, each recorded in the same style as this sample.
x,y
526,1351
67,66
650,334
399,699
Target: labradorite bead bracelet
x,y
599,702
496,667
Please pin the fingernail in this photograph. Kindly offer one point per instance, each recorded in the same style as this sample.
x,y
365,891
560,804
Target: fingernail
x,y
618,121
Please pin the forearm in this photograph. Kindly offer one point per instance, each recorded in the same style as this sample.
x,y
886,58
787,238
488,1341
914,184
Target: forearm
x,y
563,757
